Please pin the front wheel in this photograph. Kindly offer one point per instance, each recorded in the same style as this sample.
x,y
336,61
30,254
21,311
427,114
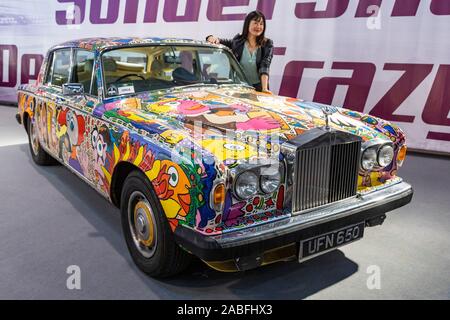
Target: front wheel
x,y
39,155
146,229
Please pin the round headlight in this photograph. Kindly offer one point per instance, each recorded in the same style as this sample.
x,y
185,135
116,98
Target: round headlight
x,y
270,183
385,155
369,159
246,185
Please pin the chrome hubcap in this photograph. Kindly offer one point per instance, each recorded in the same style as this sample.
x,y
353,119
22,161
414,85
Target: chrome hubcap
x,y
141,222
140,225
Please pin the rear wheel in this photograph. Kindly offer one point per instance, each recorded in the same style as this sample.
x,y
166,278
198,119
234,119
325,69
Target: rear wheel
x,y
146,230
39,155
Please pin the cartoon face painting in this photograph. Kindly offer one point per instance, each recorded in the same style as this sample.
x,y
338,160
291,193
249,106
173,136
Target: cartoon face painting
x,y
73,126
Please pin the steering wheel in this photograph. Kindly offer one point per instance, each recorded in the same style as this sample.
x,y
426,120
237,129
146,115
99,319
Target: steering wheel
x,y
129,75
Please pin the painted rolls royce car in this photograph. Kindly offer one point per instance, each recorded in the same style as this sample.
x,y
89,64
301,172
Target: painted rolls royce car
x,y
200,164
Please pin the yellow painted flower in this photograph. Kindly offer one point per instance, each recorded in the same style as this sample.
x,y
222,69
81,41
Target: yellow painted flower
x,y
228,149
172,136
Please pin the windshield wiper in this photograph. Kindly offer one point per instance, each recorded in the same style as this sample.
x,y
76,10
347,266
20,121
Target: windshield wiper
x,y
236,84
194,85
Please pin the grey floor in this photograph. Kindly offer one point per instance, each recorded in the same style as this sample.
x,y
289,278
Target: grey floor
x,y
50,220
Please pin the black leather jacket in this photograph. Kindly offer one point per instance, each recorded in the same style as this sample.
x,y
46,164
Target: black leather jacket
x,y
263,56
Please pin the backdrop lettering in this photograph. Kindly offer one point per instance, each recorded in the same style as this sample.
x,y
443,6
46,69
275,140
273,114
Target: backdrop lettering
x,y
386,58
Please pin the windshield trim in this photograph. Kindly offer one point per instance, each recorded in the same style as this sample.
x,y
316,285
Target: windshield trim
x,y
175,44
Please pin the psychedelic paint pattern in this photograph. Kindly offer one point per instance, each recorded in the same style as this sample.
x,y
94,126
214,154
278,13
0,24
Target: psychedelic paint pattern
x,y
186,141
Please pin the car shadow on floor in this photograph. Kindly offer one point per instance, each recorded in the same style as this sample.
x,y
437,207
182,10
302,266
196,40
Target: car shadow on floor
x,y
284,280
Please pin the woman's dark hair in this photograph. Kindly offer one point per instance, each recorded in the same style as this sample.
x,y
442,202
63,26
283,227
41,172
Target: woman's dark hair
x,y
257,16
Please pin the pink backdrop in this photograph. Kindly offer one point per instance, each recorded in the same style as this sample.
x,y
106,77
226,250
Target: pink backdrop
x,y
386,58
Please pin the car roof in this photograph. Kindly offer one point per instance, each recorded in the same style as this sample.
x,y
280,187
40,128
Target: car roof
x,y
101,44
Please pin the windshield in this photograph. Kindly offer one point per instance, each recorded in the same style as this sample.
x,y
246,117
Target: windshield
x,y
139,69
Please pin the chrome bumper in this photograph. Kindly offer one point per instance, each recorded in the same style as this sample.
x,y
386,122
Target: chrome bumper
x,y
324,214
295,227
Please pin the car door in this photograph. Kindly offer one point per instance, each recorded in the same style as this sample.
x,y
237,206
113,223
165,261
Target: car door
x,y
69,114
49,100
74,117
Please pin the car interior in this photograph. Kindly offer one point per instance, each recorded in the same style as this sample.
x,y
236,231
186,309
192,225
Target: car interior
x,y
159,67
83,73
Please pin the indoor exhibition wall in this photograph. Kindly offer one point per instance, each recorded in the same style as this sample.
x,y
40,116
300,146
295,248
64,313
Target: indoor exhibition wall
x,y
389,58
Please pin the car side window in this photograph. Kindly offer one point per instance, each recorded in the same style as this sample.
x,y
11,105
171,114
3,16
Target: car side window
x,y
215,65
83,69
60,68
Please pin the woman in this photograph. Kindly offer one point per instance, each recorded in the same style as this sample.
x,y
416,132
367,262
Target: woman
x,y
252,49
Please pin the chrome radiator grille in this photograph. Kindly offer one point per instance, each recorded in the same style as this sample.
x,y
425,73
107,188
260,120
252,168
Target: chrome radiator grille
x,y
325,174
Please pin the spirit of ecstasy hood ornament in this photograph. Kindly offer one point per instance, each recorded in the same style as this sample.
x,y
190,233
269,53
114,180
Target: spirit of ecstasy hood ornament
x,y
328,111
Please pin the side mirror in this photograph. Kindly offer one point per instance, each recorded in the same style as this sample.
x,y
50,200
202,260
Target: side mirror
x,y
72,89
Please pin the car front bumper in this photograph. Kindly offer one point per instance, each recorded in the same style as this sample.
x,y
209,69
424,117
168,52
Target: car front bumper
x,y
369,208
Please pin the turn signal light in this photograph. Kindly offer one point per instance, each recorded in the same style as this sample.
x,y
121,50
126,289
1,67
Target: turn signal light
x,y
219,197
401,155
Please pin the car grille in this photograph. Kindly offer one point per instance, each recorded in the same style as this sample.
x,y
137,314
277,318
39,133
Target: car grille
x,y
325,174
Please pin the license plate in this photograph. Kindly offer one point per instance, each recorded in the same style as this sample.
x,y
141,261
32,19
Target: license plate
x,y
320,244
